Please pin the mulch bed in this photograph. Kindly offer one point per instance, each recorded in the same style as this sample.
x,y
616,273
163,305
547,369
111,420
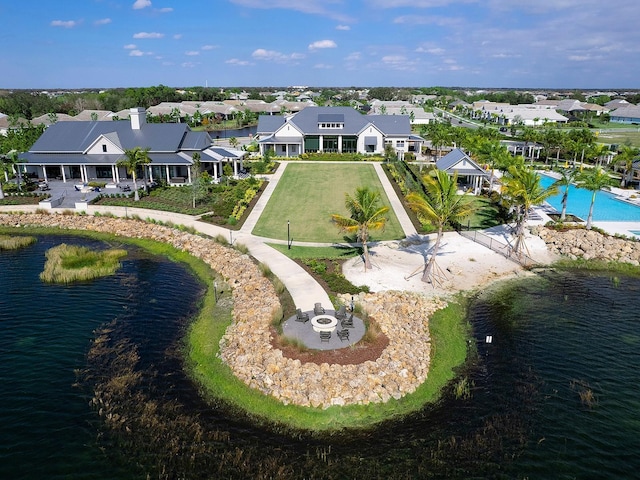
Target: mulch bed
x,y
359,353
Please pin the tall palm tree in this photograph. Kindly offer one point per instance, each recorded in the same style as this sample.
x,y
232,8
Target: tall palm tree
x,y
440,206
522,188
365,214
134,158
565,181
594,180
625,158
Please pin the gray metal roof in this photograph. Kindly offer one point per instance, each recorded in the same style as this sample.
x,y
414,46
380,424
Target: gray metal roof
x,y
76,137
103,159
453,158
308,121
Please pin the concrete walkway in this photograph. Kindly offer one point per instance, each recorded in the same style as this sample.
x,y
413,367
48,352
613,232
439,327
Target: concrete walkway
x,y
304,289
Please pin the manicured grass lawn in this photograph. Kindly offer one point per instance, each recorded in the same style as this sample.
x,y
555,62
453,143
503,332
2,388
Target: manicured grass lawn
x,y
485,214
308,194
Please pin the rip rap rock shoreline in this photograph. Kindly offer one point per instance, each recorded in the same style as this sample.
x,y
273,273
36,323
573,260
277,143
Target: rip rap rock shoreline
x,y
246,345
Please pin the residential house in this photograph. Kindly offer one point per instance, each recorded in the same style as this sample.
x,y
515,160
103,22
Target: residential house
x,y
628,114
90,150
335,129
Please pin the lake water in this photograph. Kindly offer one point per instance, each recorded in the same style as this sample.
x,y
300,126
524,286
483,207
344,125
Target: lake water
x,y
553,396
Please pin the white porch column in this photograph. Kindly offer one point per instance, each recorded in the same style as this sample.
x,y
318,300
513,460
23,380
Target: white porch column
x,y
339,143
83,173
167,170
189,175
150,173
235,167
44,173
321,143
64,176
215,170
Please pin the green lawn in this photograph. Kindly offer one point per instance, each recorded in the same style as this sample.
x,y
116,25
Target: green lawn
x,y
307,195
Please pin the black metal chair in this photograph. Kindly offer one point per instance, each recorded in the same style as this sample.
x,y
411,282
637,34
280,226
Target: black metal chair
x,y
347,322
343,334
341,313
301,316
325,336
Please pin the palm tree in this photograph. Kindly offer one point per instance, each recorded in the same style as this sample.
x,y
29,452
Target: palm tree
x,y
594,180
9,163
565,181
366,214
441,205
233,141
522,188
134,158
625,158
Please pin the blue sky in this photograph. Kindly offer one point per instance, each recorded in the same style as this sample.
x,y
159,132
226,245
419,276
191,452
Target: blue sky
x,y
475,43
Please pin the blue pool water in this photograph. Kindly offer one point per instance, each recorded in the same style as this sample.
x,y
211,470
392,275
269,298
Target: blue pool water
x,y
607,208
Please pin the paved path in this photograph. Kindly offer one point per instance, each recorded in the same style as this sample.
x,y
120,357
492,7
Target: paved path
x,y
304,289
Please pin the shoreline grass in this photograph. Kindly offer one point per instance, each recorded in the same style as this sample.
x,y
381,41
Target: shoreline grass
x,y
71,263
8,242
219,386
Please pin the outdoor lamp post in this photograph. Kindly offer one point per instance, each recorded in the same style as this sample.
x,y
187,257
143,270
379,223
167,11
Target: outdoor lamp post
x,y
215,291
288,235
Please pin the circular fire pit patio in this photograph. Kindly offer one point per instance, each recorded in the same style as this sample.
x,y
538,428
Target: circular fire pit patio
x,y
308,333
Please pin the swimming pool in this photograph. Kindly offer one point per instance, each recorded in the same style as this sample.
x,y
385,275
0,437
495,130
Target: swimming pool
x,y
607,207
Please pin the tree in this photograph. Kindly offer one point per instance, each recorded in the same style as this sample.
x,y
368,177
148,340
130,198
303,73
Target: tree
x,y
625,158
440,206
565,181
233,141
522,188
594,180
365,214
134,158
390,153
195,177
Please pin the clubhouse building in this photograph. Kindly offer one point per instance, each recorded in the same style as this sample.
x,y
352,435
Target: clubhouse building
x,y
335,129
82,151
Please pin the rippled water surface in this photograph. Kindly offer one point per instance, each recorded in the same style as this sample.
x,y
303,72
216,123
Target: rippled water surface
x,y
553,396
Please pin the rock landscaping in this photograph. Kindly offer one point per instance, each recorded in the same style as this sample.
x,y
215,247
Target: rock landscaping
x,y
247,348
589,244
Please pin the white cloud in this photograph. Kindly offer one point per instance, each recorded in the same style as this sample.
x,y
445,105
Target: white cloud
x,y
430,50
102,21
148,35
192,53
327,8
322,44
64,23
189,64
580,58
164,10
323,66
209,47
343,27
236,61
136,53
130,46
274,56
352,57
177,36
140,4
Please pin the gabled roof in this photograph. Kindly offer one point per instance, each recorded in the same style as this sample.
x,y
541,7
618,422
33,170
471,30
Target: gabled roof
x,y
308,120
75,137
456,157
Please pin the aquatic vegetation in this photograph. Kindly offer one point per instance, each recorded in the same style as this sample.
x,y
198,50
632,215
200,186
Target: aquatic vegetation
x,y
462,389
12,243
69,263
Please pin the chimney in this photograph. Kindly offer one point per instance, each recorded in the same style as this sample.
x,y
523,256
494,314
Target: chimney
x,y
138,117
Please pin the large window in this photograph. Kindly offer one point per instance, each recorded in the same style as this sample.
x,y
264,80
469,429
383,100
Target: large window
x,y
330,144
349,144
311,144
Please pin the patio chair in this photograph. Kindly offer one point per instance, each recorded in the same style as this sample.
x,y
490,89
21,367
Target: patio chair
x,y
318,309
301,316
325,336
347,322
343,334
341,313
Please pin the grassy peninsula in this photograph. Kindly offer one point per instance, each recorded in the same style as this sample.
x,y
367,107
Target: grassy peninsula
x,y
71,263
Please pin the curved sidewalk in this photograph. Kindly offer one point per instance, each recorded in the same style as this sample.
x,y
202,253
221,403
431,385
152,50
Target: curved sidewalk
x,y
304,289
